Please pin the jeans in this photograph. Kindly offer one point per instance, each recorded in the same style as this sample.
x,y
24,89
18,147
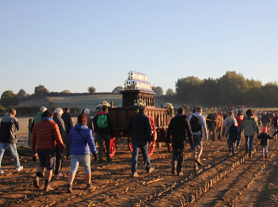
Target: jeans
x,y
59,161
106,138
232,145
13,150
144,149
178,153
249,145
84,159
264,149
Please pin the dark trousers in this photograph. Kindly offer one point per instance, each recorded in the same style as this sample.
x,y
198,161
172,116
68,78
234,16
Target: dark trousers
x,y
143,145
104,138
59,161
178,153
68,147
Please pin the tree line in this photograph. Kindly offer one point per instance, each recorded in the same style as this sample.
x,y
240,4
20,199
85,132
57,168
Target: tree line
x,y
230,89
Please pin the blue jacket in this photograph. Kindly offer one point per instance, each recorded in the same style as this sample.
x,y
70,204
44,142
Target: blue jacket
x,y
9,125
80,139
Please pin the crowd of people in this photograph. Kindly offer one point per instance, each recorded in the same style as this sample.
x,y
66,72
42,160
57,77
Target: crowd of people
x,y
54,135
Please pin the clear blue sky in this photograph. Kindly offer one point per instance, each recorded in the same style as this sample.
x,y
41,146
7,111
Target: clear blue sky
x,y
69,44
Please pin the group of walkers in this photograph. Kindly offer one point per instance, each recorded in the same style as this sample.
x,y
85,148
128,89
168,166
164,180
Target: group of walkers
x,y
55,135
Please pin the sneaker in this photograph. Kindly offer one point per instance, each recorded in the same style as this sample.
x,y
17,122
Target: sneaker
x,y
150,170
48,188
59,175
173,171
198,161
180,173
135,175
19,168
36,182
1,172
69,189
90,186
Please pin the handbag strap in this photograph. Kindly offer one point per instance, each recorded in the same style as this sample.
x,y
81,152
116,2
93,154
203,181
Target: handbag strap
x,y
82,137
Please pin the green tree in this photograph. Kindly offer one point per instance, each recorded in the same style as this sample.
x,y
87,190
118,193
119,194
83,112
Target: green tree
x,y
65,91
210,92
232,88
92,89
41,91
21,94
8,98
2,109
158,90
117,89
169,92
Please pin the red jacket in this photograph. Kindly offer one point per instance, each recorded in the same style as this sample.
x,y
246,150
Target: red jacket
x,y
46,135
239,120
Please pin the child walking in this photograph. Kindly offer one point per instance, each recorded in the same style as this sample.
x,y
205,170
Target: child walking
x,y
233,134
264,141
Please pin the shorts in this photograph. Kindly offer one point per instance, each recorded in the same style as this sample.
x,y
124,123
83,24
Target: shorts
x,y
197,142
47,158
85,161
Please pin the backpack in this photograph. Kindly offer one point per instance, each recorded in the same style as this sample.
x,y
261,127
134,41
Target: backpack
x,y
195,124
233,133
102,121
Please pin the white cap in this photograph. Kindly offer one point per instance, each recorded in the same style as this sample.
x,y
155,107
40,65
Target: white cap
x,y
58,111
43,109
87,111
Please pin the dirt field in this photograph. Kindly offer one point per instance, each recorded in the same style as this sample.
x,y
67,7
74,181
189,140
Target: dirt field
x,y
223,180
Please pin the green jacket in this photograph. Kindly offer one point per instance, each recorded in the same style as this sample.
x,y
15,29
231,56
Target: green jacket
x,y
249,125
38,117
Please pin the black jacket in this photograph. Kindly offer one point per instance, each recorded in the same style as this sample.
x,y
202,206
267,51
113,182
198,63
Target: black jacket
x,y
140,127
67,121
264,137
9,126
59,121
265,119
177,128
107,130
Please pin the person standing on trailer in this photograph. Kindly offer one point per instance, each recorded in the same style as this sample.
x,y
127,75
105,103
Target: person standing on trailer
x,y
140,128
197,122
178,128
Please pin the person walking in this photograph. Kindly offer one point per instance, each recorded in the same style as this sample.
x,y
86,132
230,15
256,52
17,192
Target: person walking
x,y
265,120
197,122
178,128
9,126
59,157
105,132
226,124
264,141
239,119
275,124
45,136
68,124
81,141
89,119
38,117
250,127
233,134
140,128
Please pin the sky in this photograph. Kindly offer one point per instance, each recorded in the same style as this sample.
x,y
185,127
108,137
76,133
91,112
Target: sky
x,y
72,45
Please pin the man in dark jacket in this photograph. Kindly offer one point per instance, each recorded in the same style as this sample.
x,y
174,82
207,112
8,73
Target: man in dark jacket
x,y
9,125
178,128
59,158
68,124
265,120
104,132
139,126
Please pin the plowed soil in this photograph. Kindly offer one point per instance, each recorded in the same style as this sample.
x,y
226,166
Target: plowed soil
x,y
223,180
